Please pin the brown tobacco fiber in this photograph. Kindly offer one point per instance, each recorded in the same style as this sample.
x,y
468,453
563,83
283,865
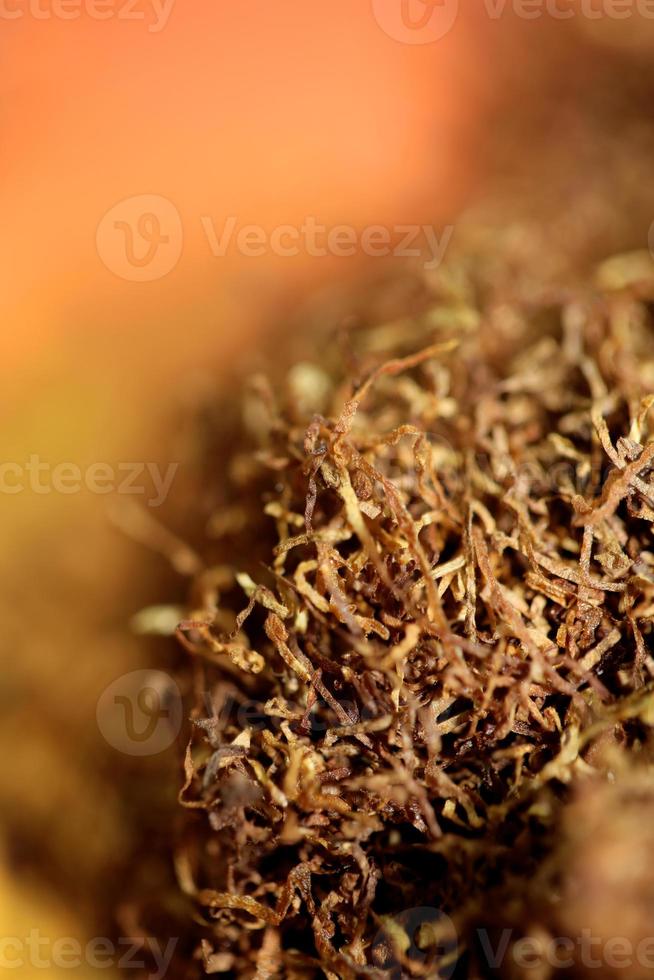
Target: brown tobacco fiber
x,y
423,663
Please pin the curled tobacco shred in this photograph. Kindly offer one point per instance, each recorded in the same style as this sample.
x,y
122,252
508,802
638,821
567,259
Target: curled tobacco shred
x,y
430,615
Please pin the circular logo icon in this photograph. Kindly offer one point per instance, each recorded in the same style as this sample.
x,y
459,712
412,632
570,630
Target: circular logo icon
x,y
416,21
423,938
140,239
140,713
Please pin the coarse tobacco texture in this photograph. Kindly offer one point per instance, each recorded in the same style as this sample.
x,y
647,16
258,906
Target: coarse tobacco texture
x,y
450,630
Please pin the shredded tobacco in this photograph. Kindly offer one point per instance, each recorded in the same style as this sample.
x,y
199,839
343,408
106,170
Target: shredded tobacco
x,y
429,624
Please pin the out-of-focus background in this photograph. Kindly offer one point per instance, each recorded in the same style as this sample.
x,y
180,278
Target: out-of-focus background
x,y
140,140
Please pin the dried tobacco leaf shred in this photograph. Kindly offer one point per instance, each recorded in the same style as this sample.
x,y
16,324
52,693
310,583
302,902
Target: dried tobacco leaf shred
x,y
448,633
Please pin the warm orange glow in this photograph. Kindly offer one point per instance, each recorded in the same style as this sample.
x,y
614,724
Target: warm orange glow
x,y
269,112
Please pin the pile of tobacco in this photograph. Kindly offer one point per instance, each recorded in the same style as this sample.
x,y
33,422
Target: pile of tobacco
x,y
420,659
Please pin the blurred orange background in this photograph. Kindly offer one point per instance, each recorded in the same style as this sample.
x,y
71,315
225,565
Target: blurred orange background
x,y
267,112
